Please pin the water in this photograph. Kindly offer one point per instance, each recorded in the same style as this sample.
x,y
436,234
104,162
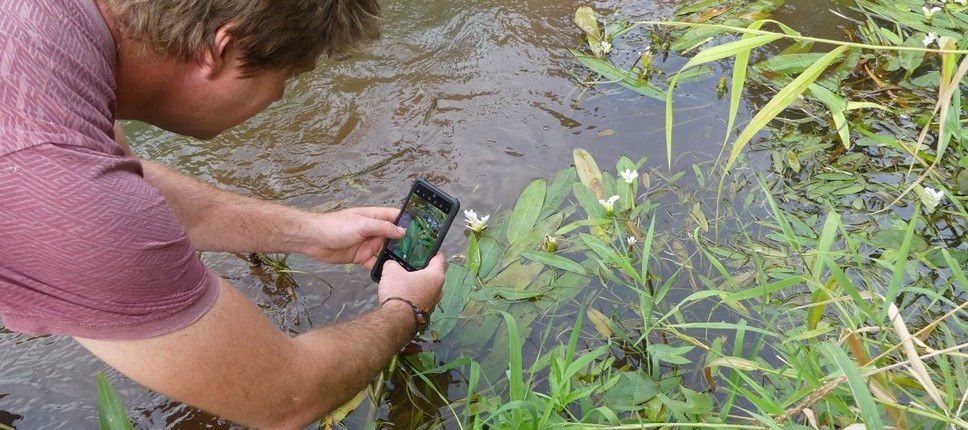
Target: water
x,y
479,96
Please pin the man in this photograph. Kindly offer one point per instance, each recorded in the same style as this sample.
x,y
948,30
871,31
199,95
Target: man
x,y
98,245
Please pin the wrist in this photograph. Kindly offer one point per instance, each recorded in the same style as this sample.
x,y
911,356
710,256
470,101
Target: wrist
x,y
421,316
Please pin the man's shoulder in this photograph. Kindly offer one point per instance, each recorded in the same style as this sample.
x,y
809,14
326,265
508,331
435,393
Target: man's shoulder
x,y
57,80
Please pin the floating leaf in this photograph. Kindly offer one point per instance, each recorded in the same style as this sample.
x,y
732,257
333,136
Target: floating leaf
x,y
588,172
632,389
458,283
892,239
526,210
587,21
556,261
670,354
516,275
491,254
511,294
473,255
620,76
559,188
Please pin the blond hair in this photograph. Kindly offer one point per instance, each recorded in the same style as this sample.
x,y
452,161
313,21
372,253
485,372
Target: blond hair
x,y
272,34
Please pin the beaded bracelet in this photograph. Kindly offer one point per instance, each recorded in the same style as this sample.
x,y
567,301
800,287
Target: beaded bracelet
x,y
422,317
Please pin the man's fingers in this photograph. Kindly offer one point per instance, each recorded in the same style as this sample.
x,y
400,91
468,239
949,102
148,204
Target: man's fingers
x,y
384,213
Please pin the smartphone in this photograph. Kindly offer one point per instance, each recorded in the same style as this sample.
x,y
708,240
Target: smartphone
x,y
426,215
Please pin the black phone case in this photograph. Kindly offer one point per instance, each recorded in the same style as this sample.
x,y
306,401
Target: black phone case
x,y
385,255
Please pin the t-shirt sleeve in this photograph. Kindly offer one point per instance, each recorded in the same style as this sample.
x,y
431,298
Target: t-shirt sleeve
x,y
89,249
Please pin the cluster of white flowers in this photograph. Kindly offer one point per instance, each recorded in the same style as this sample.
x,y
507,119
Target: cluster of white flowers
x,y
606,46
629,175
931,198
930,11
475,223
930,38
609,204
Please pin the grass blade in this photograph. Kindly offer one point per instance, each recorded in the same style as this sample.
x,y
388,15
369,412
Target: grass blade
x,y
857,384
111,411
780,102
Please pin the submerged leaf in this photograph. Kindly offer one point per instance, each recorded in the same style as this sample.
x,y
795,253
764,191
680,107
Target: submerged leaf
x,y
600,322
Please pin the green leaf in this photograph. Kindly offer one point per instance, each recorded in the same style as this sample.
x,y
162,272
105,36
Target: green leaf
x,y
458,283
858,385
695,403
622,77
473,255
526,210
589,202
632,389
510,294
111,411
491,254
670,354
780,102
893,239
588,172
789,64
554,260
558,190
739,47
587,21
837,106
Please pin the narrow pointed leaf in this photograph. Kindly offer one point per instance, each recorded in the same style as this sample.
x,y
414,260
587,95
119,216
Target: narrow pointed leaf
x,y
781,101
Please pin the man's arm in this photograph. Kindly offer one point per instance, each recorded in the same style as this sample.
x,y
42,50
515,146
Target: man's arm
x,y
218,220
234,363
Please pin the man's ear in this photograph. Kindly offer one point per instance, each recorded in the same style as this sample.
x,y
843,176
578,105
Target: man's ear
x,y
221,55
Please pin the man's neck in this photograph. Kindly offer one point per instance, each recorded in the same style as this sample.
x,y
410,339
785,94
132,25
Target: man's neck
x,y
142,75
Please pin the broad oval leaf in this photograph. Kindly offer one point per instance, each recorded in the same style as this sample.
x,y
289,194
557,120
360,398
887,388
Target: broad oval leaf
x,y
473,255
588,172
586,20
526,210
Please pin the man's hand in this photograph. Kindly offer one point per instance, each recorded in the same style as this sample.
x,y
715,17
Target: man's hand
x,y
422,287
353,235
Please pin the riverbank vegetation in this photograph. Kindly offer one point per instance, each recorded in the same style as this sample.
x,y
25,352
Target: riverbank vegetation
x,y
818,280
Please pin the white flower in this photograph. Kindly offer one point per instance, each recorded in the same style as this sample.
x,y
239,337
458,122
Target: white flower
x,y
632,240
474,223
928,13
606,46
630,175
931,198
930,38
609,204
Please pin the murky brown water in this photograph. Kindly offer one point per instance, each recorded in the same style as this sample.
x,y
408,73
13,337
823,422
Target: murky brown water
x,y
479,96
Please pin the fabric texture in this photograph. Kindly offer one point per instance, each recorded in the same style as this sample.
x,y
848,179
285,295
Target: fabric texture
x,y
87,247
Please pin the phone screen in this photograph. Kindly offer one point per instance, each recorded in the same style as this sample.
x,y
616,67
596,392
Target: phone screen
x,y
423,222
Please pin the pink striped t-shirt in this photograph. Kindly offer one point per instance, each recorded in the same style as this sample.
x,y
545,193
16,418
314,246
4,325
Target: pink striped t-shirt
x,y
87,247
